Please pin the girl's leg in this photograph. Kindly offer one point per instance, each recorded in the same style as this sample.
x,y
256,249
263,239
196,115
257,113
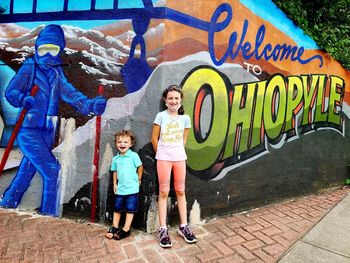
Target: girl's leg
x,y
164,171
179,171
184,230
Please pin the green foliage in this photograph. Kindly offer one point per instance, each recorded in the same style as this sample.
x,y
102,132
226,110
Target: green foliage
x,y
347,181
327,22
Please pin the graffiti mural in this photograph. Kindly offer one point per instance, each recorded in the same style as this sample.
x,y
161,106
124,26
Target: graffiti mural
x,y
37,132
245,117
269,109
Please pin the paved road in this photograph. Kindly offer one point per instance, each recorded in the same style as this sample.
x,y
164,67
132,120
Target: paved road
x,y
260,235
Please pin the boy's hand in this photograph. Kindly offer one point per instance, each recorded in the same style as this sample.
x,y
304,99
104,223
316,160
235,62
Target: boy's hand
x,y
115,188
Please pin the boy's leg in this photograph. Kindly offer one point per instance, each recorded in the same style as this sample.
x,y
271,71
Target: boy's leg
x,y
118,206
114,229
116,219
128,221
131,207
125,231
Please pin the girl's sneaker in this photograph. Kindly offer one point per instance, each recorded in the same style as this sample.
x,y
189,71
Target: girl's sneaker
x,y
187,234
164,239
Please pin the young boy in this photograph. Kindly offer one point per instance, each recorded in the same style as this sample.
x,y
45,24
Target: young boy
x,y
127,172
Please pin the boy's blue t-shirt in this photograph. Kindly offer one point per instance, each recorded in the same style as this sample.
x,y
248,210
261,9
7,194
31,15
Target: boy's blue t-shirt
x,y
126,168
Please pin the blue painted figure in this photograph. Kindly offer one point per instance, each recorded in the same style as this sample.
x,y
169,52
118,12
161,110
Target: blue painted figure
x,y
37,134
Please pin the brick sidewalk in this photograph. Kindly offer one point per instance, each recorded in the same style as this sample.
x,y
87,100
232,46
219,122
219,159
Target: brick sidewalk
x,y
260,235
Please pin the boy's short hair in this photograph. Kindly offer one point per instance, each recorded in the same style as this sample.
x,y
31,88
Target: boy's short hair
x,y
127,133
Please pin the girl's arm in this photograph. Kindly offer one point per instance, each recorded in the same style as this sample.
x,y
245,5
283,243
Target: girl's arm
x,y
115,179
139,173
186,131
155,136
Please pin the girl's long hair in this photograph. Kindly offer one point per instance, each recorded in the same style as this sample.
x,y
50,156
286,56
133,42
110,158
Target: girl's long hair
x,y
173,87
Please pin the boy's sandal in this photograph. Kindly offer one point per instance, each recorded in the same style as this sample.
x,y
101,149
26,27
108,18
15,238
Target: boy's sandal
x,y
112,230
121,234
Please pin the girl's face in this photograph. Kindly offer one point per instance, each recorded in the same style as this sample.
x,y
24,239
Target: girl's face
x,y
173,100
123,144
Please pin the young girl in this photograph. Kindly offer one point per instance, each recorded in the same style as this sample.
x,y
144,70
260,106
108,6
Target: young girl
x,y
169,135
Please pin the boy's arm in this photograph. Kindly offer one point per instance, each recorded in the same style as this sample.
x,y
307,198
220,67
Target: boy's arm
x,y
140,172
115,179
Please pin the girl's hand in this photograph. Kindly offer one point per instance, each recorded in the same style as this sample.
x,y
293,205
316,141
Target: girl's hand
x,y
115,188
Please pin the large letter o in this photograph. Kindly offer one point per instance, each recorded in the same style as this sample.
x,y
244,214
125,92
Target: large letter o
x,y
204,152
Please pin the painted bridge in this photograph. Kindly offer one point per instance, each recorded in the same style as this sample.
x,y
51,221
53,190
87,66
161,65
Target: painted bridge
x,y
9,14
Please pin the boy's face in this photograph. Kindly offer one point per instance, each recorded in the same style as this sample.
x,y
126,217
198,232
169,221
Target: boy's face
x,y
123,144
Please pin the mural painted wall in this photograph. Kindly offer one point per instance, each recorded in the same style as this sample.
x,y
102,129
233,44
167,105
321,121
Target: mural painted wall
x,y
269,109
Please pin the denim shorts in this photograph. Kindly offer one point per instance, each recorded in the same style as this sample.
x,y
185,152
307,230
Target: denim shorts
x,y
126,203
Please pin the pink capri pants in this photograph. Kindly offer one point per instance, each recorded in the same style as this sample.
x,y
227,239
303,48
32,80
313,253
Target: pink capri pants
x,y
164,172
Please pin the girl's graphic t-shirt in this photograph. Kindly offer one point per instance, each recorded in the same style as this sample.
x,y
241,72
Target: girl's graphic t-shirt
x,y
170,144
